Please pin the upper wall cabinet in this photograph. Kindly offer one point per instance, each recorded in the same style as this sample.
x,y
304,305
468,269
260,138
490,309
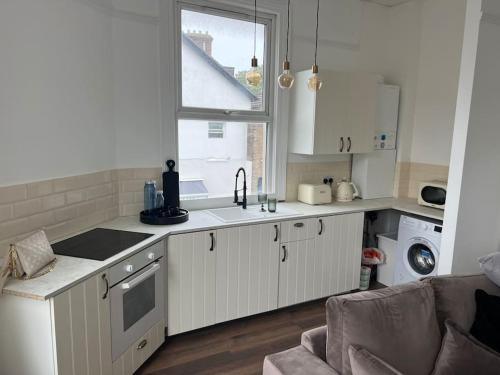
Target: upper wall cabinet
x,y
339,119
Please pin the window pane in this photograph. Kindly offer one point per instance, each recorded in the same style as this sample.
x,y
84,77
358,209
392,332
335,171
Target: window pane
x,y
208,165
216,54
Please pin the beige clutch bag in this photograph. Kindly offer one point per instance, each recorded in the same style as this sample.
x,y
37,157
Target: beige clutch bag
x,y
29,258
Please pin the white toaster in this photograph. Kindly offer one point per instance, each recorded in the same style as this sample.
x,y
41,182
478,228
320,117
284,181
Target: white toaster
x,y
315,194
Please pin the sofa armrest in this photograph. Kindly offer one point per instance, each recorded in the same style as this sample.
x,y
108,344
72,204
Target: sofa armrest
x,y
296,361
314,340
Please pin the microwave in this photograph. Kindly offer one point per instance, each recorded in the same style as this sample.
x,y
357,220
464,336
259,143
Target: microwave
x,y
432,194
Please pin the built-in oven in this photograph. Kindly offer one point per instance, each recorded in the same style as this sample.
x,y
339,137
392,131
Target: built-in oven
x,y
137,298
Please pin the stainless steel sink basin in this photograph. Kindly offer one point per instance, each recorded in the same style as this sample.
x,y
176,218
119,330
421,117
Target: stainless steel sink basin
x,y
237,214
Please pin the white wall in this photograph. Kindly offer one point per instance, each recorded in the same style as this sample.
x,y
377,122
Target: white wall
x,y
416,45
441,38
472,218
136,84
56,115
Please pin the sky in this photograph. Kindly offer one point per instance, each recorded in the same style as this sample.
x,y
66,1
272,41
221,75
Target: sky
x,y
233,39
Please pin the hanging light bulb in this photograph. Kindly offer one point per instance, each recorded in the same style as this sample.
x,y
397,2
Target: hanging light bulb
x,y
286,79
314,83
253,76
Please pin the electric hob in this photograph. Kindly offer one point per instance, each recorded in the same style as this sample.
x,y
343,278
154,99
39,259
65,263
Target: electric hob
x,y
99,243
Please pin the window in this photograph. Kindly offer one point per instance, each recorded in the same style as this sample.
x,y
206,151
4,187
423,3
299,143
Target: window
x,y
215,130
216,46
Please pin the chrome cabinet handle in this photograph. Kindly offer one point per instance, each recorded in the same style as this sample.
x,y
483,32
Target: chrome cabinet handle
x,y
142,344
320,227
285,254
212,239
349,144
277,233
105,278
298,225
341,144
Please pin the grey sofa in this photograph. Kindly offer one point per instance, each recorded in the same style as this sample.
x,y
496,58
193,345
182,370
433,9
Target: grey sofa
x,y
402,325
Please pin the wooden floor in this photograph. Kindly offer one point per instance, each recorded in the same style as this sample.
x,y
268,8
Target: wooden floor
x,y
236,347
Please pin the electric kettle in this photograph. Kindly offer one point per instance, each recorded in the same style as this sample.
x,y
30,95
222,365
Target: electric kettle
x,y
346,191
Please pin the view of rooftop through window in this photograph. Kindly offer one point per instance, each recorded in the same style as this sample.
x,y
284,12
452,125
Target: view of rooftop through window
x,y
225,44
216,54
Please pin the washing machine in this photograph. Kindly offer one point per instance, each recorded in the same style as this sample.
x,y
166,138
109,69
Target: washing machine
x,y
417,249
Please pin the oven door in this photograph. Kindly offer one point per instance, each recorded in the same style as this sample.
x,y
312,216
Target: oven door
x,y
137,303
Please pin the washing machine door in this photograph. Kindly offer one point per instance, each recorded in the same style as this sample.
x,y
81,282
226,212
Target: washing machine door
x,y
421,257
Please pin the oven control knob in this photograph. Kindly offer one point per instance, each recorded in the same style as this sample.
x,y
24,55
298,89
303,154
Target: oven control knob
x,y
151,256
129,268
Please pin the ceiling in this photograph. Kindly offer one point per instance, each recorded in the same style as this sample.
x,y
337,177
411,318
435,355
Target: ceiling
x,y
388,3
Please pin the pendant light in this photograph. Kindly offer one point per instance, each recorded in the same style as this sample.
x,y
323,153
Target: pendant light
x,y
286,79
314,83
253,76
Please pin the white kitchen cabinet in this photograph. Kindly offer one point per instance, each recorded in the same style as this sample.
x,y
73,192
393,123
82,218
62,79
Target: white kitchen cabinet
x,y
325,265
191,281
298,279
339,243
68,334
246,270
338,119
82,329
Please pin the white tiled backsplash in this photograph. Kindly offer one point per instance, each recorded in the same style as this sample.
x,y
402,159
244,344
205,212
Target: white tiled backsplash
x,y
67,205
313,173
409,175
60,206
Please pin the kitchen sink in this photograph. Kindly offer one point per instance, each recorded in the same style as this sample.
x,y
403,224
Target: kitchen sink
x,y
237,214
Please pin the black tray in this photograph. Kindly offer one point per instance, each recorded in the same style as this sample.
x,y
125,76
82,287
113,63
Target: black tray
x,y
164,217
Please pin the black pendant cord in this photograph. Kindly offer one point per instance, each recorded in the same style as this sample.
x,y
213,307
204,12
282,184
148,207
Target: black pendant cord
x,y
255,30
287,29
317,33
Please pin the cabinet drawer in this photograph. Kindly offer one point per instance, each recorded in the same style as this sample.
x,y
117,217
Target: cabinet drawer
x,y
142,349
298,230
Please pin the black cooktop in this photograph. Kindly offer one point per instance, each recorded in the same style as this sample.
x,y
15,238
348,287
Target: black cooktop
x,y
99,243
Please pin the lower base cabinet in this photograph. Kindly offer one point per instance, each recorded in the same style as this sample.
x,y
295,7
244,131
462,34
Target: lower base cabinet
x,y
339,246
191,259
142,349
216,276
68,334
299,280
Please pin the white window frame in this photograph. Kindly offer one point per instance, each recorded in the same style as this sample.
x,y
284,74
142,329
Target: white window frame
x,y
272,11
221,129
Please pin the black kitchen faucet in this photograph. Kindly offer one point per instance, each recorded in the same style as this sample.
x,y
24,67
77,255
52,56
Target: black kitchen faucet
x,y
236,199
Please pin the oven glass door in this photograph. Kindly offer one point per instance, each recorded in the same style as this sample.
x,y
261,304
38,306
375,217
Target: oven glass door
x,y
136,305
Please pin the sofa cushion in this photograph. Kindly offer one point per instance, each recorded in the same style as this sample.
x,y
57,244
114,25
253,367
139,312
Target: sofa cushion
x,y
455,297
490,265
296,361
461,354
365,363
486,326
396,324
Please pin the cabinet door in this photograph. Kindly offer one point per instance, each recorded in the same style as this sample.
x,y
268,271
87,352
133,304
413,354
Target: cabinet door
x,y
332,113
362,113
327,245
298,279
191,281
82,329
246,271
347,240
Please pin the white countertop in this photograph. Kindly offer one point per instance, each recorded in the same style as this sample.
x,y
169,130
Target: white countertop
x,y
70,271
